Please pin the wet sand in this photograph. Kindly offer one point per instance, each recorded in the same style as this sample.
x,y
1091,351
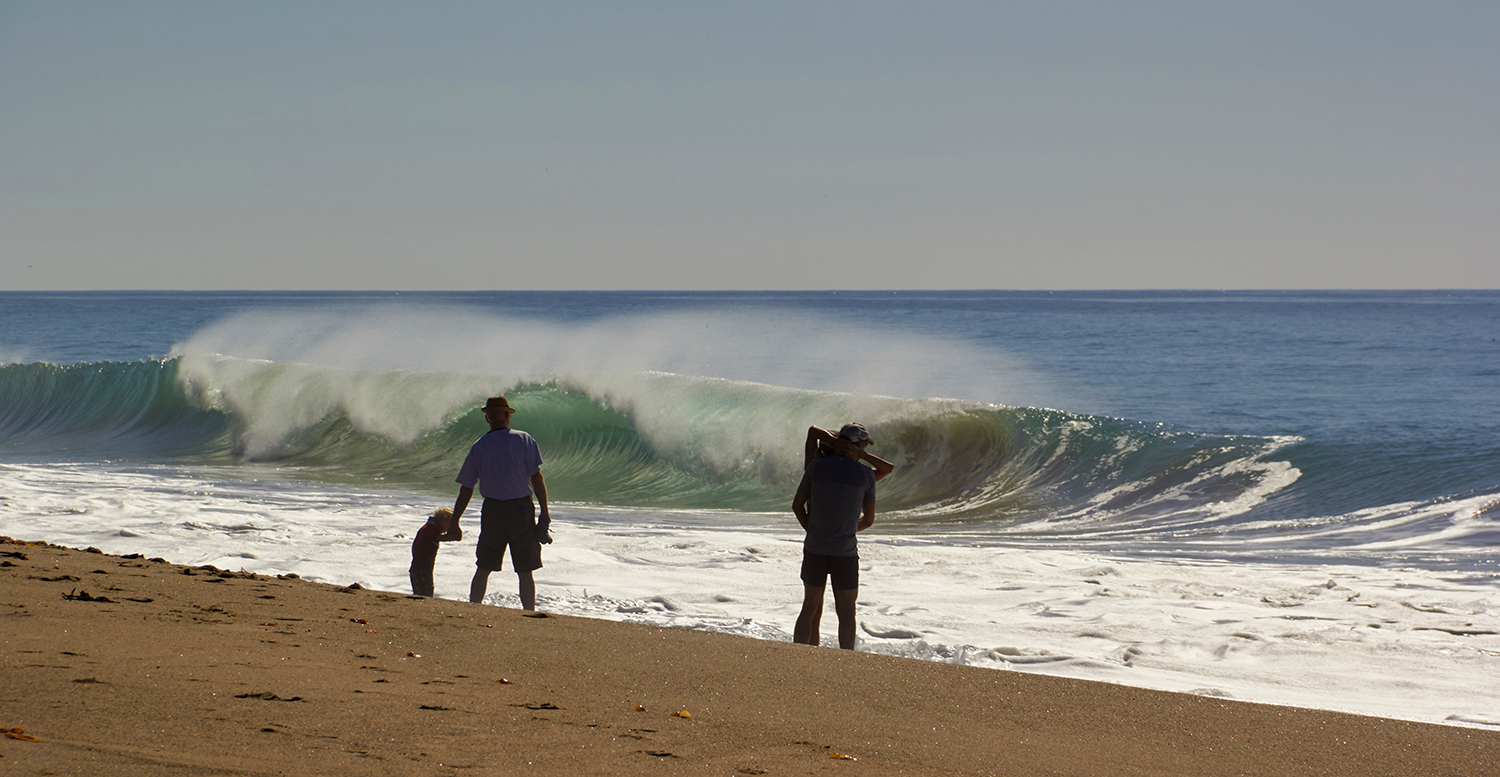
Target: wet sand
x,y
133,666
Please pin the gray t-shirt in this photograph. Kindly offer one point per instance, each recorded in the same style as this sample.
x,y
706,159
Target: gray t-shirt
x,y
839,487
502,463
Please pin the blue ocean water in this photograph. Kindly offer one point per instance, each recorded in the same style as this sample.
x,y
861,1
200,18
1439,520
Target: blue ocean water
x,y
1300,424
1288,497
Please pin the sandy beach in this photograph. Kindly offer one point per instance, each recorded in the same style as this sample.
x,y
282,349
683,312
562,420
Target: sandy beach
x,y
128,666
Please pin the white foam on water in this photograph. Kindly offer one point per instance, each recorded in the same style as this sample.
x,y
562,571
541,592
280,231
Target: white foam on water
x,y
1395,642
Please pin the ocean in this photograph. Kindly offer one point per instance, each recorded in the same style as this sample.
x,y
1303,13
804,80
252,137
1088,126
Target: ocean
x,y
1290,497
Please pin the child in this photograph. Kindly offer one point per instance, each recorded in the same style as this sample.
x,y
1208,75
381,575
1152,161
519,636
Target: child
x,y
440,527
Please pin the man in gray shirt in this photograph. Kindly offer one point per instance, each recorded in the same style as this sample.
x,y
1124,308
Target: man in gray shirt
x,y
835,500
506,464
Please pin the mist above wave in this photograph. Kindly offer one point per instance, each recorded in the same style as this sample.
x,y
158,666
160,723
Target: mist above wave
x,y
771,346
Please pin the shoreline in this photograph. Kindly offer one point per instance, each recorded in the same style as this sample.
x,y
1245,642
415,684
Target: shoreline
x,y
125,665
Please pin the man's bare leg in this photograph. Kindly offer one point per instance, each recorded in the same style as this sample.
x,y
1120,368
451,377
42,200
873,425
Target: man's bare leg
x,y
806,631
843,604
528,590
480,583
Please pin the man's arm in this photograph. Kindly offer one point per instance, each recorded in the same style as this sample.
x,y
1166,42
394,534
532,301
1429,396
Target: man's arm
x,y
799,508
882,467
544,518
829,440
867,519
451,531
815,436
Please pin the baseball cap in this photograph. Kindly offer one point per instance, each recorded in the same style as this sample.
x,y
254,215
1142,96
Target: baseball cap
x,y
854,433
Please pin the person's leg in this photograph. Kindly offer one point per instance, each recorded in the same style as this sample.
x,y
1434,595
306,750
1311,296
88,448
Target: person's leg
x,y
489,552
844,574
528,590
421,580
525,550
480,583
424,550
843,604
814,576
806,631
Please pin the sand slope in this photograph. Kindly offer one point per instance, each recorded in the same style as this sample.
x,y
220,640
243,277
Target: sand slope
x,y
127,666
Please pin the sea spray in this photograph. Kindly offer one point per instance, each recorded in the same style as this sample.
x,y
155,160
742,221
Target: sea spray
x,y
783,348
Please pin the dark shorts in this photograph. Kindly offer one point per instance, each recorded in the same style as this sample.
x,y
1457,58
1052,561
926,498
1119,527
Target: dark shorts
x,y
510,522
818,568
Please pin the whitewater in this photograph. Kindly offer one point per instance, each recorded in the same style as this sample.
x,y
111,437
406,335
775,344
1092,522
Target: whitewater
x,y
1026,528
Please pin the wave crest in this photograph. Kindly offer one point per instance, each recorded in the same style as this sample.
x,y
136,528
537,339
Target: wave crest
x,y
647,439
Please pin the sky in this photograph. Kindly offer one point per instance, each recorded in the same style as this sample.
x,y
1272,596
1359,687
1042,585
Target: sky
x,y
1274,144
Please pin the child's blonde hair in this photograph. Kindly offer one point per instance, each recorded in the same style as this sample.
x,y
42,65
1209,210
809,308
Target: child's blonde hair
x,y
443,512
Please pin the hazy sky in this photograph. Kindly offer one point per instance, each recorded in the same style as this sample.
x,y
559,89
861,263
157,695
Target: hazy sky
x,y
762,145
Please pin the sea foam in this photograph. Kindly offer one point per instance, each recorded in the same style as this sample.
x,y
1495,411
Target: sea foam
x,y
1402,643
